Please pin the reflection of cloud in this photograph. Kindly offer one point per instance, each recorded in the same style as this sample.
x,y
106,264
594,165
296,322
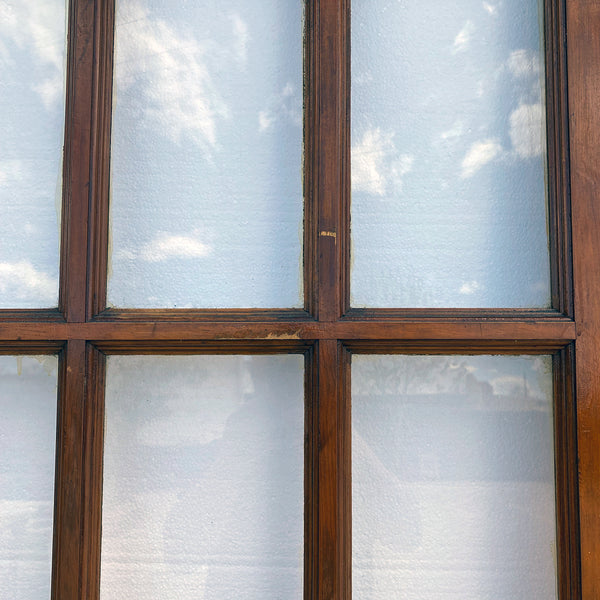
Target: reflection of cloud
x,y
20,280
176,87
462,40
166,246
240,34
523,63
526,130
455,131
11,170
490,8
376,164
38,27
470,287
479,154
287,104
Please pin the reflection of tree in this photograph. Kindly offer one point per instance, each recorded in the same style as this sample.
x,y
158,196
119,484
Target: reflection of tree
x,y
214,512
449,477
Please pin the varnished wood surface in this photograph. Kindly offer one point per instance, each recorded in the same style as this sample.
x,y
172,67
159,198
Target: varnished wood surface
x,y
328,330
553,333
583,27
77,159
70,476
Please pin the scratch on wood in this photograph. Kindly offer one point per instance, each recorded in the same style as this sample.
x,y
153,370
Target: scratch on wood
x,y
328,234
295,335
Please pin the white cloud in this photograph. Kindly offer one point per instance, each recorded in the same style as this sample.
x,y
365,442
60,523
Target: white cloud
x,y
523,63
22,281
285,105
241,37
462,40
526,134
11,170
165,246
376,163
470,287
455,131
38,27
176,86
491,9
479,154
265,120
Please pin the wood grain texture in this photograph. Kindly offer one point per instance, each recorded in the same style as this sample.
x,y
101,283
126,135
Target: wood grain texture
x,y
567,505
327,331
333,518
557,135
69,480
328,59
553,333
93,453
100,157
77,158
583,27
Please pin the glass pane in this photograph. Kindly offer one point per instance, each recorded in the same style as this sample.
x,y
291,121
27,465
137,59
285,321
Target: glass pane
x,y
27,444
453,478
448,155
203,478
32,106
207,155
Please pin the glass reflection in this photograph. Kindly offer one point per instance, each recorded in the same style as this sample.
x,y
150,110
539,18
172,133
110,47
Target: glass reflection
x,y
203,477
206,155
32,105
448,155
27,447
453,478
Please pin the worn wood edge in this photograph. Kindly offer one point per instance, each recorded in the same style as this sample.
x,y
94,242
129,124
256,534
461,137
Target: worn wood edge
x,y
31,347
455,314
309,161
520,332
345,259
328,549
558,166
68,486
98,246
464,347
345,473
93,453
202,315
32,315
330,56
204,347
583,24
76,162
311,475
567,492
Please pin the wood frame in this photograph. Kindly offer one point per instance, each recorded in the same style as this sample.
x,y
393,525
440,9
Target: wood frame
x,y
82,331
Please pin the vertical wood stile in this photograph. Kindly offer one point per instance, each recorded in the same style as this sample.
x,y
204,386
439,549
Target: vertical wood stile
x,y
69,480
333,477
328,40
583,27
77,160
100,170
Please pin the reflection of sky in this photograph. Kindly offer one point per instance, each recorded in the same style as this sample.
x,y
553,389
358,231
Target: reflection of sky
x,y
32,57
206,203
453,477
448,196
27,441
203,477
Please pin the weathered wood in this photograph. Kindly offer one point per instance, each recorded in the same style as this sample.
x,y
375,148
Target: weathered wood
x,y
583,27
